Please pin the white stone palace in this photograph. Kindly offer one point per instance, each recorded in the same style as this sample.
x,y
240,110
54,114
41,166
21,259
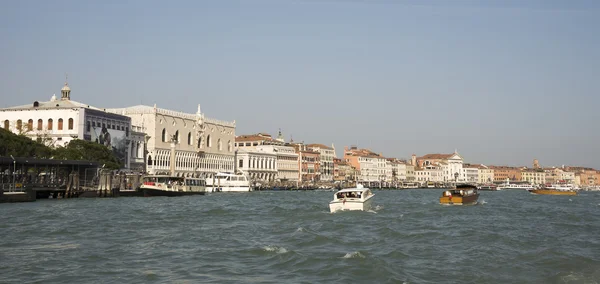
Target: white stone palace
x,y
203,146
60,120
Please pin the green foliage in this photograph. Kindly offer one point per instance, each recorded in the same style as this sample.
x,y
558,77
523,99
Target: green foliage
x,y
88,151
22,146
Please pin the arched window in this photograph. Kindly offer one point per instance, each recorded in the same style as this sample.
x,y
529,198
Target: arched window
x,y
70,124
190,138
220,145
149,160
50,124
40,124
208,142
164,135
6,124
19,125
229,147
177,136
60,124
30,125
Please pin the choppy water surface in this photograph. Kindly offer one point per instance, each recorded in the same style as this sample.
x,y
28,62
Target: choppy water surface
x,y
290,237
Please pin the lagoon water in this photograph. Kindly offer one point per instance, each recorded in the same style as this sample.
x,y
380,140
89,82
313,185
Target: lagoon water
x,y
290,237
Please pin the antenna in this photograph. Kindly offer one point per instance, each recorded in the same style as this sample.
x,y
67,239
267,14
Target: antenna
x,y
66,78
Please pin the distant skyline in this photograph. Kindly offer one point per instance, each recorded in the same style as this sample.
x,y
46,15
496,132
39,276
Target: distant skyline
x,y
503,82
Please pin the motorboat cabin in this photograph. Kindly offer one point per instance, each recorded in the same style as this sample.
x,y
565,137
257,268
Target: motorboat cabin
x,y
463,194
358,198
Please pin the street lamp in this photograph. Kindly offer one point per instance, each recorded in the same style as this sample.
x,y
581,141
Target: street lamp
x,y
14,172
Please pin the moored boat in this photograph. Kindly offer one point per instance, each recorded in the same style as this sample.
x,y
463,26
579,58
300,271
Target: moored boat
x,y
491,187
463,194
166,185
553,191
228,182
358,198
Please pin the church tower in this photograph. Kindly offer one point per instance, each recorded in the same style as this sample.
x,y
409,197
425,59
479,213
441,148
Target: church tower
x,y
66,91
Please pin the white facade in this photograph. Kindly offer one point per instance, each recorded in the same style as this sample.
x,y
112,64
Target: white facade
x,y
568,177
327,155
203,146
259,164
58,121
372,169
410,173
485,175
400,171
287,162
470,175
454,165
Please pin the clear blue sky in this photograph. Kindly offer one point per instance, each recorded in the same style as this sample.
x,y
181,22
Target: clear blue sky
x,y
503,82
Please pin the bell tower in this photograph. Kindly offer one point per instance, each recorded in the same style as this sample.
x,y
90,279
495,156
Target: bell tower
x,y
66,91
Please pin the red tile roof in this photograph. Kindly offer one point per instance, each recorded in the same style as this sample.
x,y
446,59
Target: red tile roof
x,y
436,156
319,146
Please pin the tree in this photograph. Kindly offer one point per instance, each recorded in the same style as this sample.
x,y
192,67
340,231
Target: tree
x,y
88,151
22,146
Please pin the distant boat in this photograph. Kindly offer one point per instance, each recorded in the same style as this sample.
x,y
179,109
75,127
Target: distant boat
x,y
491,187
463,194
556,189
524,186
358,198
166,185
228,182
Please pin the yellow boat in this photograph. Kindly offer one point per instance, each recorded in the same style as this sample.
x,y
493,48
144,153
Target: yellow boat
x,y
463,194
548,191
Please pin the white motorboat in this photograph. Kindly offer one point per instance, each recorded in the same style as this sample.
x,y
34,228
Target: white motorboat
x,y
166,185
562,186
228,182
523,186
358,198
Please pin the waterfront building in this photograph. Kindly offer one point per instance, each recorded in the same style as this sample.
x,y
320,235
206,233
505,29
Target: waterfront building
x,y
585,176
485,174
138,148
309,163
287,158
502,173
395,171
254,140
369,165
327,154
533,176
60,120
433,172
450,164
470,173
410,173
343,171
260,163
202,146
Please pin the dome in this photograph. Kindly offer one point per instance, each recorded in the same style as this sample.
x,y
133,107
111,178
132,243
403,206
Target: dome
x,y
66,87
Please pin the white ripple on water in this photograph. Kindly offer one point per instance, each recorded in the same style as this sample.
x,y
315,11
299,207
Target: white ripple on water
x,y
276,249
355,254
